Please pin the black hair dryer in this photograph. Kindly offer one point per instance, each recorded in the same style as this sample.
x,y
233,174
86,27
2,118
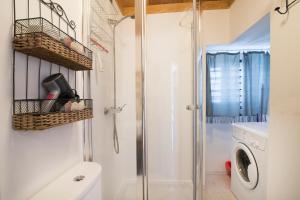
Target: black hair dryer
x,y
59,92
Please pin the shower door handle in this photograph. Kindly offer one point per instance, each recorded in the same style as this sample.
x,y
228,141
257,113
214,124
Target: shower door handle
x,y
192,107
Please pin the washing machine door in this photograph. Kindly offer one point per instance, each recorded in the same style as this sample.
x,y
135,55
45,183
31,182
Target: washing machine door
x,y
245,166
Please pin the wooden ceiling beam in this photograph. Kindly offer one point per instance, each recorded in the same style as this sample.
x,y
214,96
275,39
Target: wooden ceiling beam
x,y
160,8
121,6
178,7
216,4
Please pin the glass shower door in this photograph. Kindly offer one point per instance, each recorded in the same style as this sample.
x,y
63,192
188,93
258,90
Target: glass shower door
x,y
169,89
168,106
168,139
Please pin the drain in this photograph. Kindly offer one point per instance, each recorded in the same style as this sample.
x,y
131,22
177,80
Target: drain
x,y
78,178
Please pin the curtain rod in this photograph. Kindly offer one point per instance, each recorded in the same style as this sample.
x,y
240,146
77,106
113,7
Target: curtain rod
x,y
236,51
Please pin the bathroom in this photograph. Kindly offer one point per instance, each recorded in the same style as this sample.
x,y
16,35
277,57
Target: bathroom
x,y
148,133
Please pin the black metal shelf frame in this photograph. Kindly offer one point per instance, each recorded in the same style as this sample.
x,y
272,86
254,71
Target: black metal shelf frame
x,y
29,105
36,25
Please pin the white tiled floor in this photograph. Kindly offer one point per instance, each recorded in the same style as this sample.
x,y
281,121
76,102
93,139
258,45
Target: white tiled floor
x,y
160,191
218,188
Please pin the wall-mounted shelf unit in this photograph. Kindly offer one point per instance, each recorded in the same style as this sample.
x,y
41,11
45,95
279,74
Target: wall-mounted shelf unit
x,y
40,46
40,38
29,116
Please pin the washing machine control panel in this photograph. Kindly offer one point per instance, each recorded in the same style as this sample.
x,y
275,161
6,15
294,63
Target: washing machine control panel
x,y
250,138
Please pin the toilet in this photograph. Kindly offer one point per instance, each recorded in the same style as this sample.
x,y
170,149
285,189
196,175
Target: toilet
x,y
82,182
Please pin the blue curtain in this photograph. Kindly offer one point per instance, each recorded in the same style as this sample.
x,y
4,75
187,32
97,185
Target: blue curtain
x,y
237,91
223,86
256,85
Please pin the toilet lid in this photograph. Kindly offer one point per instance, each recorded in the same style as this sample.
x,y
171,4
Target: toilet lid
x,y
245,166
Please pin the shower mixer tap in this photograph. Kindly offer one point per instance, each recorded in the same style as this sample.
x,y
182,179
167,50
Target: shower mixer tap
x,y
113,110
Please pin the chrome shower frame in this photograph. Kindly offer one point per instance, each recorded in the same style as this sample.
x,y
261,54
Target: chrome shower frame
x,y
195,108
141,136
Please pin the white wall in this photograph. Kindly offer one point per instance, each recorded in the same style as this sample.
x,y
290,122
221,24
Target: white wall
x,y
284,128
245,13
225,26
29,160
118,169
216,27
218,147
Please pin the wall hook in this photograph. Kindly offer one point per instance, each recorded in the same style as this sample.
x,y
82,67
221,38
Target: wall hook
x,y
287,7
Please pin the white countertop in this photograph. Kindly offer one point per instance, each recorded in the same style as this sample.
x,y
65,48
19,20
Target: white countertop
x,y
259,128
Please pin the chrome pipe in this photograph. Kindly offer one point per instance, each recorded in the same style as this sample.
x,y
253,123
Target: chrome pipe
x,y
197,133
115,131
115,23
194,113
141,135
88,150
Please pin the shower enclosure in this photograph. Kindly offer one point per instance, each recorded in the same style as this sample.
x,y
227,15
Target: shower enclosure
x,y
157,75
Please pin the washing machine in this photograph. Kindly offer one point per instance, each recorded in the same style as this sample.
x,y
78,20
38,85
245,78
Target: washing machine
x,y
249,161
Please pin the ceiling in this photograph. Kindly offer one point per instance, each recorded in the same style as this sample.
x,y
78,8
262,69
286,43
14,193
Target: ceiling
x,y
164,6
255,38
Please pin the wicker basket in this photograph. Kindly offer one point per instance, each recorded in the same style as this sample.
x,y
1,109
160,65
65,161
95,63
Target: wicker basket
x,y
45,47
39,38
32,121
